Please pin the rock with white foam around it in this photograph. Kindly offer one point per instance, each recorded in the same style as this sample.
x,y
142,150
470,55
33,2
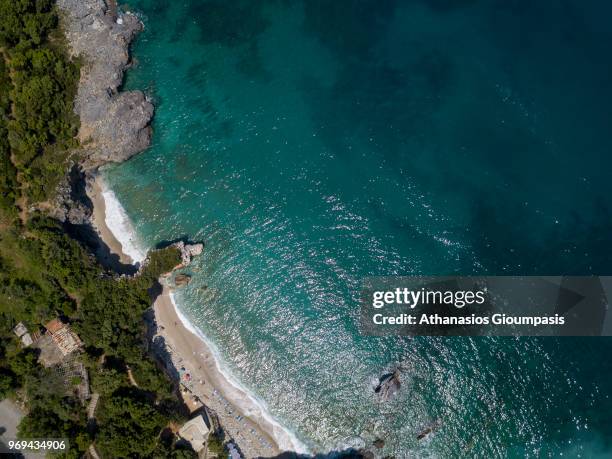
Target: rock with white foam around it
x,y
188,251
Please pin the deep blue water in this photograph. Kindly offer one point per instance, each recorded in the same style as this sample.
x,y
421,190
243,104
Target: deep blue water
x,y
310,144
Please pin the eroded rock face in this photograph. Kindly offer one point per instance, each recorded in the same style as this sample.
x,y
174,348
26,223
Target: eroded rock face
x,y
71,203
188,251
114,125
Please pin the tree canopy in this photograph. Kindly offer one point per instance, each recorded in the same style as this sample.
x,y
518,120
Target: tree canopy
x,y
45,273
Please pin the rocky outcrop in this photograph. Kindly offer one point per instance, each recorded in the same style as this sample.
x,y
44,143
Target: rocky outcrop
x,y
388,386
181,280
431,428
114,125
71,203
188,251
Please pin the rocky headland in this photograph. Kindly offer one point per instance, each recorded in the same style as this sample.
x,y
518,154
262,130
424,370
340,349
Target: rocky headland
x,y
114,124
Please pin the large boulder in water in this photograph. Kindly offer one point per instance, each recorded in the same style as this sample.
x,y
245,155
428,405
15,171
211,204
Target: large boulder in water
x,y
388,386
180,280
188,251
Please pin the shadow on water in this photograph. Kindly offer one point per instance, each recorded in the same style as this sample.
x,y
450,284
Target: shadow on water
x,y
183,238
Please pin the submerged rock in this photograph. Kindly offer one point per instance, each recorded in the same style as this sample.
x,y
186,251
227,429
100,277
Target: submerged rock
x,y
388,385
431,428
180,280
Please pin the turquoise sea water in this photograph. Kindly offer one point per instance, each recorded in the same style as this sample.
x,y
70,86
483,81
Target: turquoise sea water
x,y
310,144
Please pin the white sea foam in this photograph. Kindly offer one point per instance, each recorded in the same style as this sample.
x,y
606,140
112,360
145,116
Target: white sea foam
x,y
252,405
118,223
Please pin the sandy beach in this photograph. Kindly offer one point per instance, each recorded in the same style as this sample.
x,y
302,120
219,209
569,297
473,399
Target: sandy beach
x,y
192,360
99,221
202,382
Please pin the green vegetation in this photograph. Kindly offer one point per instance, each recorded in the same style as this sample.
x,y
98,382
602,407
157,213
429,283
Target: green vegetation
x,y
128,411
110,314
51,414
8,172
38,83
45,274
215,444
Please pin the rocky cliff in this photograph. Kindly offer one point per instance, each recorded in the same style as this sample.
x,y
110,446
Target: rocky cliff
x,y
114,124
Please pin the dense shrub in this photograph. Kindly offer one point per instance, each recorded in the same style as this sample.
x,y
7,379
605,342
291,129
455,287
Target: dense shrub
x,y
38,126
129,425
44,273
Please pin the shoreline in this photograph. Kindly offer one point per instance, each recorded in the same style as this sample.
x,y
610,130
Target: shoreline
x,y
98,221
115,125
113,225
242,417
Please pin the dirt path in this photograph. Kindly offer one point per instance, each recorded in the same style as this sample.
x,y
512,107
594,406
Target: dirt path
x,y
131,377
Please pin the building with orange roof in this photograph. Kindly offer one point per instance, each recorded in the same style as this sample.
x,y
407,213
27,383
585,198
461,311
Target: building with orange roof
x,y
65,339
